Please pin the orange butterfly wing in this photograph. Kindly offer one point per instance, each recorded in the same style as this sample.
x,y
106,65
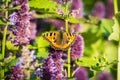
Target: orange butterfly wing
x,y
51,37
62,44
69,40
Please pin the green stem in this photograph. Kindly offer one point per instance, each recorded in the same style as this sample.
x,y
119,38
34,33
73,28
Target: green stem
x,y
66,23
69,61
115,6
4,40
118,67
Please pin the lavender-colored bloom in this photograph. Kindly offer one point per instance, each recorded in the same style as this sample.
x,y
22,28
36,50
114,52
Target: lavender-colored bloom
x,y
52,68
77,48
99,10
81,74
109,9
77,12
20,2
75,28
104,75
33,30
21,19
77,8
16,73
25,61
48,69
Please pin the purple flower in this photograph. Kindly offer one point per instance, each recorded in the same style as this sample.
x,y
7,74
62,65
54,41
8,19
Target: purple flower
x,y
75,28
60,24
21,20
104,76
77,48
24,60
77,8
21,2
52,68
77,12
81,74
99,10
33,30
109,9
48,69
16,73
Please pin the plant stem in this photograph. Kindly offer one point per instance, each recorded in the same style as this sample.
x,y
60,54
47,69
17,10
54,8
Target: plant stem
x,y
115,6
118,67
66,23
69,61
4,40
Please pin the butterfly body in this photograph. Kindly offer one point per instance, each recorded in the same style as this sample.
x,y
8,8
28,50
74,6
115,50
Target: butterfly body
x,y
60,40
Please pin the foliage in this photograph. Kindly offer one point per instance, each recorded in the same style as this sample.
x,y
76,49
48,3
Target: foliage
x,y
100,52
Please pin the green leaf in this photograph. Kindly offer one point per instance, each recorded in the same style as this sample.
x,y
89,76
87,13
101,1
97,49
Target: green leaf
x,y
116,28
11,46
2,22
11,62
105,26
86,62
43,5
90,73
42,44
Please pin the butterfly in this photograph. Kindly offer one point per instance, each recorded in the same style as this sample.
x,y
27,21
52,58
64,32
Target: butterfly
x,y
60,40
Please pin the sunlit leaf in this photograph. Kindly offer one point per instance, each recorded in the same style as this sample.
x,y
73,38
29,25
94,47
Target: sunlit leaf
x,y
11,62
11,46
116,28
105,26
42,44
43,5
86,62
2,22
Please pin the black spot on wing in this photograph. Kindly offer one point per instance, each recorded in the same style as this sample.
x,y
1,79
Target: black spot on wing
x,y
50,34
54,34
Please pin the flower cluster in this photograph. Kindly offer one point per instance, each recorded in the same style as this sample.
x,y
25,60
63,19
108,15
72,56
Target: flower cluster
x,y
102,10
99,10
104,75
52,68
77,12
23,64
109,9
21,19
16,73
77,48
77,8
81,74
24,60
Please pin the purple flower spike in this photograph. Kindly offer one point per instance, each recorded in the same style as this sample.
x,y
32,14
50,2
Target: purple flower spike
x,y
21,19
81,74
77,8
109,9
104,76
77,48
52,68
99,10
16,73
